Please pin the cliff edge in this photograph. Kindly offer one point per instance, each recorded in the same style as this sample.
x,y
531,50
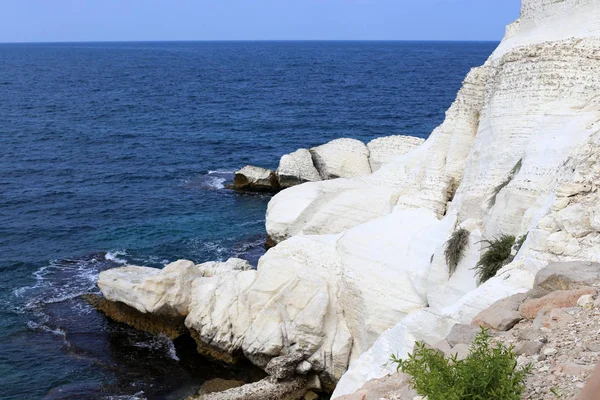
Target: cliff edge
x,y
360,271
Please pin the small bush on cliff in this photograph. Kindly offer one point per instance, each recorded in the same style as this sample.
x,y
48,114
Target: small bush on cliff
x,y
455,248
497,255
511,175
489,372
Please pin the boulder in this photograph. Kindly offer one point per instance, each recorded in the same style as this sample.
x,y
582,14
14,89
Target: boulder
x,y
163,292
255,179
266,389
462,333
558,299
460,351
528,347
283,367
382,388
382,150
341,158
565,276
502,315
296,168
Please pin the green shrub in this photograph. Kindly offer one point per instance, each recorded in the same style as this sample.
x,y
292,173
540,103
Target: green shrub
x,y
455,248
489,372
497,255
515,170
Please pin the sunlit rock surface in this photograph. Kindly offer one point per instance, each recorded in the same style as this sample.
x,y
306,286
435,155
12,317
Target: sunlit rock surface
x,y
359,272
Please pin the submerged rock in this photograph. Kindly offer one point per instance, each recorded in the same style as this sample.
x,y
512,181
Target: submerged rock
x,y
255,179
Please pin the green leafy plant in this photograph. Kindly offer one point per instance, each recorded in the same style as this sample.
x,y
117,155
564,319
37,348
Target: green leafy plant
x,y
511,175
455,248
489,372
497,255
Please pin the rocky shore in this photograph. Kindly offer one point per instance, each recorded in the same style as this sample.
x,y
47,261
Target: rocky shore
x,y
359,269
553,327
340,158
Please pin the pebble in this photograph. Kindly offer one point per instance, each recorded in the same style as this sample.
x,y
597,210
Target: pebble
x,y
550,351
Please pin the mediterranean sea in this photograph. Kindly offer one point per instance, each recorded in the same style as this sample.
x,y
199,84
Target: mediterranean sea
x,y
115,153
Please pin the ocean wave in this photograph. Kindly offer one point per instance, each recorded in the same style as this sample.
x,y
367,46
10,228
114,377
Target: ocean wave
x,y
41,326
63,280
113,255
216,183
211,180
221,171
136,396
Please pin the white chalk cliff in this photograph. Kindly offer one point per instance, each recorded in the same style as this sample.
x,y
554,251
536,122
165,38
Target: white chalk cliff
x,y
359,271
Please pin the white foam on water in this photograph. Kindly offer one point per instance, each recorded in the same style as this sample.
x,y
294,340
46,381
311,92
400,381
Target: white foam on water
x,y
137,396
160,343
211,180
113,255
41,326
216,183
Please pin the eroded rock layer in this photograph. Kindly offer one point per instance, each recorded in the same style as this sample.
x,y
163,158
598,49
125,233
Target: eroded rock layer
x,y
360,272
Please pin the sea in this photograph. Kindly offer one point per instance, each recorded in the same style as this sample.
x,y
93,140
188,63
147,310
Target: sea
x,y
120,153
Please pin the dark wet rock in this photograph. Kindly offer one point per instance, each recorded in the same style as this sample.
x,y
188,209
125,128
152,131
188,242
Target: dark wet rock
x,y
172,327
255,179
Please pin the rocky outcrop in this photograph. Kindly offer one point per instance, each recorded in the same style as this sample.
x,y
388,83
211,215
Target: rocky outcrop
x,y
165,292
558,340
255,179
359,272
384,149
296,168
424,178
341,158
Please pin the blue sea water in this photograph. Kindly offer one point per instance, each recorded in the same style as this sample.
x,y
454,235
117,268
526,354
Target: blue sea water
x,y
115,153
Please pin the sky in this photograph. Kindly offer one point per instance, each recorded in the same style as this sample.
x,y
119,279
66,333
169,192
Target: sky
x,y
149,20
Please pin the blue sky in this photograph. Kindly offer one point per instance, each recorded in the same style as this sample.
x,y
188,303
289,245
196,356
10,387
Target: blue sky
x,y
109,20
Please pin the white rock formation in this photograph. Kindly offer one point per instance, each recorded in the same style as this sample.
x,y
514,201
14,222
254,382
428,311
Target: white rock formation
x,y
150,290
165,292
426,177
255,179
382,150
341,158
296,168
548,123
517,154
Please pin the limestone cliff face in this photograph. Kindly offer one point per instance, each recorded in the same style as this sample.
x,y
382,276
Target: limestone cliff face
x,y
359,272
538,129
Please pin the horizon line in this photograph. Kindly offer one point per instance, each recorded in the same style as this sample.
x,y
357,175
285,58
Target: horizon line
x,y
256,40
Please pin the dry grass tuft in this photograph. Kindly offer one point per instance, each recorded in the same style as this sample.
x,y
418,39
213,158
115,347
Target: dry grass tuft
x,y
511,175
497,255
455,248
